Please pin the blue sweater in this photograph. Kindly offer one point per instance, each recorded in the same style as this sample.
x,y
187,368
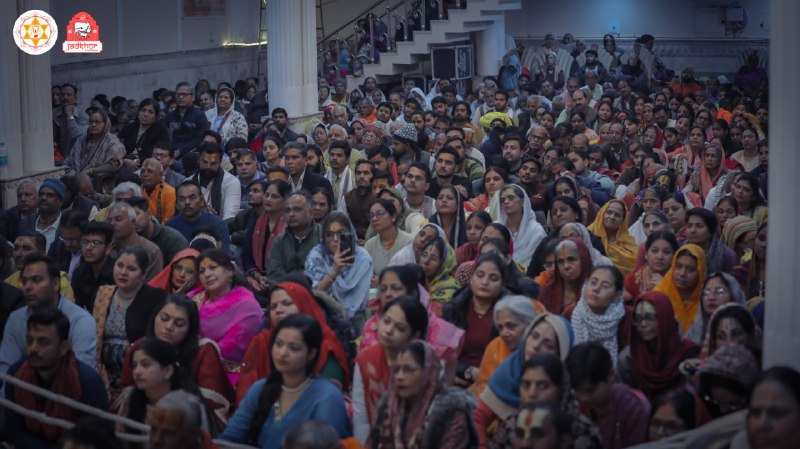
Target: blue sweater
x,y
322,401
206,219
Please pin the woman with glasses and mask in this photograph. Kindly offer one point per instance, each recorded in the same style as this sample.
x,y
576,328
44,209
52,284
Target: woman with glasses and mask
x,y
389,239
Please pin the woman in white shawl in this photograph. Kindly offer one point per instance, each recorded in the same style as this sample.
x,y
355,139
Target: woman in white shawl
x,y
579,231
419,95
224,119
97,154
516,214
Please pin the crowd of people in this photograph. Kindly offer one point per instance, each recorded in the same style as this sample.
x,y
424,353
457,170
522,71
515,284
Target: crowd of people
x,y
552,260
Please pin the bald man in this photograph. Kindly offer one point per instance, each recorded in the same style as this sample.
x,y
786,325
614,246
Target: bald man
x,y
159,194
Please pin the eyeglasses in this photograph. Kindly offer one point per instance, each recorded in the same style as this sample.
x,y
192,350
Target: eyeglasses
x,y
643,318
92,243
428,256
377,214
719,291
183,94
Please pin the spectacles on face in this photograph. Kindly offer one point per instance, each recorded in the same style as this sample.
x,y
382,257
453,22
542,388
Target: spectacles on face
x,y
428,256
92,243
377,214
183,94
719,291
332,234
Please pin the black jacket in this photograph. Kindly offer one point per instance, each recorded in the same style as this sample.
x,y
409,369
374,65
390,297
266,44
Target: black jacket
x,y
313,181
85,285
187,130
129,135
141,310
11,223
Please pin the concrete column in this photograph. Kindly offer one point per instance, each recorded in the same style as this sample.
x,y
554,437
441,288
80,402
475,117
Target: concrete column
x,y
491,46
782,335
10,122
292,49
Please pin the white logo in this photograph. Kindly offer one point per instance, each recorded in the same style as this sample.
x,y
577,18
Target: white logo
x,y
35,32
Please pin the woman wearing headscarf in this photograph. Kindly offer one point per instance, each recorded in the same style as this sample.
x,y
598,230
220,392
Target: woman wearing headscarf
x,y
180,276
516,214
611,226
739,234
731,324
438,260
339,265
224,119
651,363
289,298
419,95
659,249
701,229
450,215
573,265
98,154
683,283
411,253
579,231
547,333
710,172
418,411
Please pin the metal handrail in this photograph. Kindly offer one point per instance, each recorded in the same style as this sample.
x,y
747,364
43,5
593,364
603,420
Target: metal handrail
x,y
356,19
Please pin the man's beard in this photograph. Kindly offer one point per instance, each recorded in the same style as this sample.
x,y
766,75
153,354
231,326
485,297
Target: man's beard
x,y
208,175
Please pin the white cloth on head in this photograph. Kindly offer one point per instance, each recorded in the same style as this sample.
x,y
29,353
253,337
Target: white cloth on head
x,y
530,233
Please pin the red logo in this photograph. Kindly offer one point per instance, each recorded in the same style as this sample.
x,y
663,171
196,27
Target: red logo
x,y
83,35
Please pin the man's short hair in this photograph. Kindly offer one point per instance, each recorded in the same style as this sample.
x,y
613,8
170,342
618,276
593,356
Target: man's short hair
x,y
279,111
210,148
50,316
588,364
501,92
583,154
306,196
190,183
139,203
52,267
438,99
422,167
412,101
164,145
367,162
73,218
215,135
69,85
516,137
99,228
449,89
460,132
297,146
183,84
341,144
381,150
447,149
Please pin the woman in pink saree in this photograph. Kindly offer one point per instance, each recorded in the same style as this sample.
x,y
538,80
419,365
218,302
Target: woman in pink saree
x,y
229,314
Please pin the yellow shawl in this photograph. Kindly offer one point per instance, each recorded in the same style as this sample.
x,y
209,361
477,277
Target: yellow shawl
x,y
685,308
624,249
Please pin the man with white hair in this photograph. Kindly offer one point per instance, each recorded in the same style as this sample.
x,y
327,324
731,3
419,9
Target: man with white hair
x,y
179,421
123,218
122,191
27,203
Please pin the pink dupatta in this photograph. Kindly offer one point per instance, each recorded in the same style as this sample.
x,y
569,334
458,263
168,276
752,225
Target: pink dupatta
x,y
231,321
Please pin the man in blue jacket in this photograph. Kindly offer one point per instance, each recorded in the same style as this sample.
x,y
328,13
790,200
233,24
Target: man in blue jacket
x,y
186,123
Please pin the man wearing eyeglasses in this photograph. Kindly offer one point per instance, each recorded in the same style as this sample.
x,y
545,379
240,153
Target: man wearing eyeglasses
x,y
97,265
187,122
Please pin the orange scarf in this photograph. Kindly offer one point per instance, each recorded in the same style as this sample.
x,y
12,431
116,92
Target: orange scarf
x,y
709,180
685,308
66,382
623,250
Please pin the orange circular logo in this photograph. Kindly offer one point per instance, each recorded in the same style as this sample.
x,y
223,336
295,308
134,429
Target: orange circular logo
x,y
35,32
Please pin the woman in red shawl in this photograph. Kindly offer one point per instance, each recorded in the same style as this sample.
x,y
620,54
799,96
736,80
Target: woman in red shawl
x,y
288,298
651,363
180,276
573,265
710,171
262,233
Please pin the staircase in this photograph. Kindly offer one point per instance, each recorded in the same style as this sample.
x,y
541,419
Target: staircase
x,y
404,57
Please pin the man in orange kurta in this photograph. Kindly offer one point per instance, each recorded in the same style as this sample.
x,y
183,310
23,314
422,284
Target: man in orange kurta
x,y
160,195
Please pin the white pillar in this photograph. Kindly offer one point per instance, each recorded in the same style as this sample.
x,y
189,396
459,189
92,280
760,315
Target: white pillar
x,y
292,49
10,122
491,46
782,334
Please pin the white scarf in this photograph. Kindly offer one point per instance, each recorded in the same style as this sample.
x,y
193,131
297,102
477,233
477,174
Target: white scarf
x,y
589,326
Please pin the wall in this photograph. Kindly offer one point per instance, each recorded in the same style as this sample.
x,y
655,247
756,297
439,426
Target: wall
x,y
189,48
661,18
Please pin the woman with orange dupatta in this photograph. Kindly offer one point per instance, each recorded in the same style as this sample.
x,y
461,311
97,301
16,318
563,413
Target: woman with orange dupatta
x,y
710,171
611,225
288,298
683,283
180,276
563,290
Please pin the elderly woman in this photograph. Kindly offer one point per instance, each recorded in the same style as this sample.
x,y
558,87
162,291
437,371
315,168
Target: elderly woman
x,y
512,315
438,261
407,220
389,240
611,226
224,119
711,171
563,290
739,234
99,154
